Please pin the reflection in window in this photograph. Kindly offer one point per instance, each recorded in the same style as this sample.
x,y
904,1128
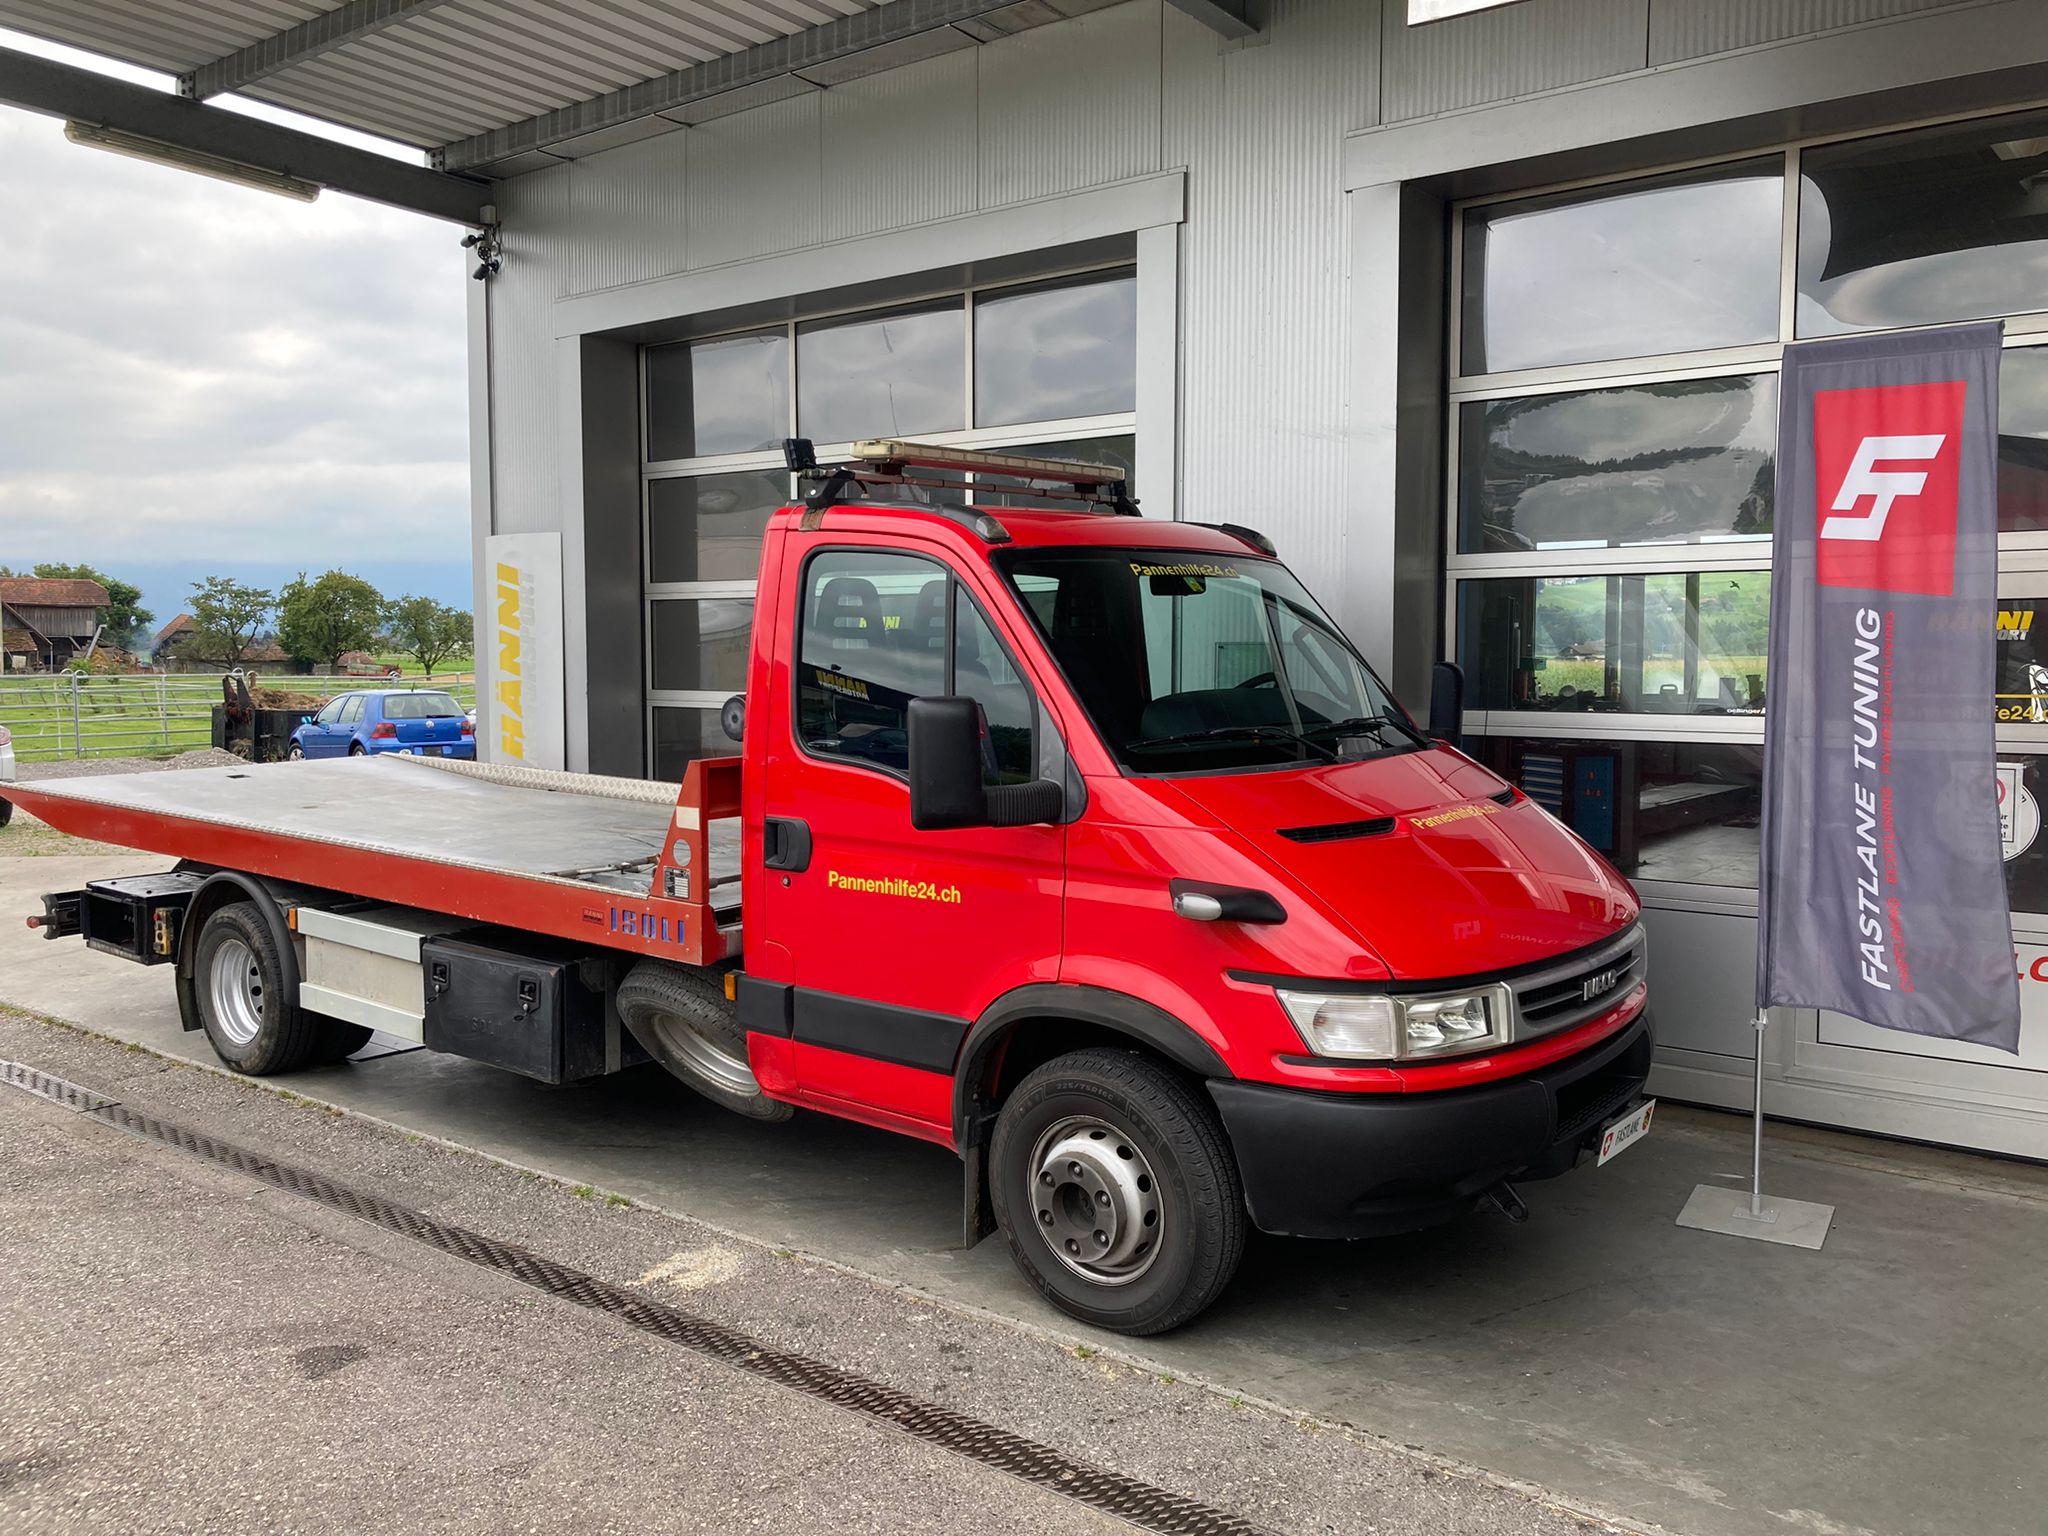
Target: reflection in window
x,y
982,672
681,736
1681,642
1003,491
1043,354
709,527
700,643
1686,461
1915,228
894,374
725,396
1666,265
1658,810
2023,440
873,638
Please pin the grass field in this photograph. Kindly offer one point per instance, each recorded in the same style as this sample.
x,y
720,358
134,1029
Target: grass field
x,y
148,714
1588,675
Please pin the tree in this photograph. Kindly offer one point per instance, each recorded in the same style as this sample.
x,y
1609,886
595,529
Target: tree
x,y
124,613
318,620
226,617
428,630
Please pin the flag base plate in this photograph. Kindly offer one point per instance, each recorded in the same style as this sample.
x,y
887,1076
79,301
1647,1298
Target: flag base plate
x,y
1796,1223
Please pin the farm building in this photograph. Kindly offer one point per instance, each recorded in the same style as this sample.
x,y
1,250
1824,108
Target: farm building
x,y
44,623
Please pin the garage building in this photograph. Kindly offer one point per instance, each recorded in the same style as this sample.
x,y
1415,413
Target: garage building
x,y
1476,309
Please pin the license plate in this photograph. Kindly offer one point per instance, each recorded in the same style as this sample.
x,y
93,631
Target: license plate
x,y
1624,1133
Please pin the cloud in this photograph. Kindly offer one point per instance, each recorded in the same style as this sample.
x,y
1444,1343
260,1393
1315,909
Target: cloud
x,y
193,370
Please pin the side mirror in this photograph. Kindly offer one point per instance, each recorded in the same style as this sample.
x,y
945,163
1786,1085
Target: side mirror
x,y
945,765
1446,701
946,789
305,719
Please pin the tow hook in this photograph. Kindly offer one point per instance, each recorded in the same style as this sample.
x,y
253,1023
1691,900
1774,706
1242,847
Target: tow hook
x,y
1502,1198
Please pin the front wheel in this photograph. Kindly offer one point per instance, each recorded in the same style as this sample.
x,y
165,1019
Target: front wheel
x,y
1114,1184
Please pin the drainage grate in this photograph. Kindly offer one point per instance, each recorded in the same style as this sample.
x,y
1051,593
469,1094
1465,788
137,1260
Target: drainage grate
x,y
1141,1504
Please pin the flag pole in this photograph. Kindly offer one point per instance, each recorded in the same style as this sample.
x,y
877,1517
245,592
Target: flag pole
x,y
1719,1208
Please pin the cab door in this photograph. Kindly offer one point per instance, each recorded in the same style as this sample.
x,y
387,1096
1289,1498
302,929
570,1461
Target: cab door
x,y
897,938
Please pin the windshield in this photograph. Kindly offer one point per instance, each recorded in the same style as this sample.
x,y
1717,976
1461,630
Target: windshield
x,y
1204,664
420,706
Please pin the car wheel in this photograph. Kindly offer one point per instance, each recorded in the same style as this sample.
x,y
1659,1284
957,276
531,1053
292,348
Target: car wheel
x,y
1113,1182
685,1023
238,981
295,753
357,749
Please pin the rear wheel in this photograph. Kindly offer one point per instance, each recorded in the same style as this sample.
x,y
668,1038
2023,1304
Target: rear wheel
x,y
357,749
1114,1184
682,1018
240,988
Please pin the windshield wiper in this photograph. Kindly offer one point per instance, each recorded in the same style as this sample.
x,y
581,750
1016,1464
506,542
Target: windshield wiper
x,y
1373,723
1244,732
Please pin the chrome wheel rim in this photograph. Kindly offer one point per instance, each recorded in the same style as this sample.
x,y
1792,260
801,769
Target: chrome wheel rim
x,y
710,1059
1095,1200
234,986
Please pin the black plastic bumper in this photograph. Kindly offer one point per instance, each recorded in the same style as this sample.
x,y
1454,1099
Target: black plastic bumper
x,y
1364,1164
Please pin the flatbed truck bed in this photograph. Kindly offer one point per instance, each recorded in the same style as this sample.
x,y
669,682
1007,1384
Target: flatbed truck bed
x,y
578,856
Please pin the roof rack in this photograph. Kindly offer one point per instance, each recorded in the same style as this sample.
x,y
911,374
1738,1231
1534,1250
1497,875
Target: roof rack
x,y
894,461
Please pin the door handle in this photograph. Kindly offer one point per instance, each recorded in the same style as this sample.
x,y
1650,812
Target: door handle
x,y
786,843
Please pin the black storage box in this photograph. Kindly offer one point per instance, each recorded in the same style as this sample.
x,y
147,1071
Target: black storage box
x,y
539,1010
138,916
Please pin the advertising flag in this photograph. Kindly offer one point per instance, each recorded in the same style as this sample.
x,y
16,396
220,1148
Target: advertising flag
x,y
1883,892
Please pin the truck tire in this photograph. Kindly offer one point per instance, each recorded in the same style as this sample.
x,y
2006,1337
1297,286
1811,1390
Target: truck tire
x,y
1113,1182
682,1018
238,984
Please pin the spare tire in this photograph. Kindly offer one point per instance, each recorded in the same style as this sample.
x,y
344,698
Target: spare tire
x,y
683,1019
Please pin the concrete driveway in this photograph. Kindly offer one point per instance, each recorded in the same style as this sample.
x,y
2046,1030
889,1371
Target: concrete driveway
x,y
1702,1383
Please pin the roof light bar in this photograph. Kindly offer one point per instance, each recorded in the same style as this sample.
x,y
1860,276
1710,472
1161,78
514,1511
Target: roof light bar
x,y
897,454
136,147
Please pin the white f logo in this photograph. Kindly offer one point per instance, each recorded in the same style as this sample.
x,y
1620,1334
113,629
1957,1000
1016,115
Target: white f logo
x,y
1882,486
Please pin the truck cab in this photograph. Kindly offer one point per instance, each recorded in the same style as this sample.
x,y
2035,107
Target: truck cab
x,y
1089,846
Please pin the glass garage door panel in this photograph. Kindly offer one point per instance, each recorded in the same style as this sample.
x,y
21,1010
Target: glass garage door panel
x,y
888,375
729,395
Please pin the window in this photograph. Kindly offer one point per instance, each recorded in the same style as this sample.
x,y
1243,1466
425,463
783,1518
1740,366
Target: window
x,y
1673,264
709,527
1047,366
1204,665
1610,517
730,395
875,634
1067,349
1919,228
351,710
1684,462
420,706
896,374
1674,642
331,714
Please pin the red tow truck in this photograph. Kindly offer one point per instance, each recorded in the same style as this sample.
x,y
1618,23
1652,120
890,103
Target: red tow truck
x,y
1082,844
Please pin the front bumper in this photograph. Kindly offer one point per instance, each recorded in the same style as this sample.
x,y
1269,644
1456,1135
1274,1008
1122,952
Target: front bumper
x,y
1366,1164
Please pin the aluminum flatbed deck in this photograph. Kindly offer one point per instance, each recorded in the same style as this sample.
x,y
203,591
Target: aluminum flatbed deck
x,y
621,863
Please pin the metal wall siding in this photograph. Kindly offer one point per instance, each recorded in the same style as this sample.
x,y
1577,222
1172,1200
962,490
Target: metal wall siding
x,y
526,458
1260,130
1070,105
1496,55
635,197
1691,29
752,182
900,148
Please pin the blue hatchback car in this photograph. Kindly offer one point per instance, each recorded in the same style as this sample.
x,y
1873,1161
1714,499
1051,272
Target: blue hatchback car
x,y
424,723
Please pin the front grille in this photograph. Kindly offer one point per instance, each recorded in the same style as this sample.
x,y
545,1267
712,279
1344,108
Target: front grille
x,y
1558,997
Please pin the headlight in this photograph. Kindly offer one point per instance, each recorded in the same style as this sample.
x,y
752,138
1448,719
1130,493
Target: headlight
x,y
1377,1027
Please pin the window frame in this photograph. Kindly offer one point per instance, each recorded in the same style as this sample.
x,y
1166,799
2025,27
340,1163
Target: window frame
x,y
2019,553
1114,424
957,587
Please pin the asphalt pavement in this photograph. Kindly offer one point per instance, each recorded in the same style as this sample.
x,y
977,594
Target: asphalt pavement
x,y
184,1348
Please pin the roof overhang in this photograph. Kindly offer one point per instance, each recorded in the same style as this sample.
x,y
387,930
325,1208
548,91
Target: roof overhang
x,y
492,89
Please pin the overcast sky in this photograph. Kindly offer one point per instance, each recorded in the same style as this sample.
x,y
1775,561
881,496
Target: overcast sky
x,y
196,373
